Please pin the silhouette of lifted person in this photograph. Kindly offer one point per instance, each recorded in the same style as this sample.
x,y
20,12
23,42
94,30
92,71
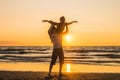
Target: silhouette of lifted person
x,y
55,34
60,25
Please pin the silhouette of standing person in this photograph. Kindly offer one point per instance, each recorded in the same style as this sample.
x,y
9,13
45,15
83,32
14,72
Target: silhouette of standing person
x,y
55,32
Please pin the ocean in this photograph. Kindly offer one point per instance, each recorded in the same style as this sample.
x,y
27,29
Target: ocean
x,y
95,55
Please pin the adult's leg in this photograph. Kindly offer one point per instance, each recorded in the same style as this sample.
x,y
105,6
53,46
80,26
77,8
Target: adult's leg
x,y
60,69
50,69
61,61
53,61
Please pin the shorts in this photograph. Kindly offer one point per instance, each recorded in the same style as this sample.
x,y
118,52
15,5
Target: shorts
x,y
58,52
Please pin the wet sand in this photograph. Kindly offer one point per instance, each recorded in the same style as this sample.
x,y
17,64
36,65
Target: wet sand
x,y
38,71
29,75
44,67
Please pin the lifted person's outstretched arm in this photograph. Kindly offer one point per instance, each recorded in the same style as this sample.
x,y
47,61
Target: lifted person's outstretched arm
x,y
49,21
71,22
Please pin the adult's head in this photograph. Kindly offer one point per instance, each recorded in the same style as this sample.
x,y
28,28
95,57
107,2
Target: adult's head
x,y
54,30
62,19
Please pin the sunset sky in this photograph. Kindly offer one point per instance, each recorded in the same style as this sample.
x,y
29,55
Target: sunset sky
x,y
98,22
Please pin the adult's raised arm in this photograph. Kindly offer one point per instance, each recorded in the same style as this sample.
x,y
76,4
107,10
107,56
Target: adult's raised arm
x,y
66,31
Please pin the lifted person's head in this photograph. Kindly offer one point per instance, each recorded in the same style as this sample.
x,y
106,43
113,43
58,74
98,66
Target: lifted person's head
x,y
62,19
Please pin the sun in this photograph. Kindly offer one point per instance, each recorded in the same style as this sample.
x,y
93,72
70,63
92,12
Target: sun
x,y
68,38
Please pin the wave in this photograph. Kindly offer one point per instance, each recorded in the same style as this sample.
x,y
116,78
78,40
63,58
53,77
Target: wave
x,y
86,51
40,49
24,58
85,55
22,51
108,55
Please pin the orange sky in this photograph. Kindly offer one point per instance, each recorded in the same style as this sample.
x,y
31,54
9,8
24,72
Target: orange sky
x,y
99,22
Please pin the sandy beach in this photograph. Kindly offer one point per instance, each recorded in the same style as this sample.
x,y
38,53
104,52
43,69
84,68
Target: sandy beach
x,y
38,71
28,75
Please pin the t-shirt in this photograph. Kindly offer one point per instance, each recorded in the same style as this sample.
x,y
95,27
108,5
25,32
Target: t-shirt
x,y
55,38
